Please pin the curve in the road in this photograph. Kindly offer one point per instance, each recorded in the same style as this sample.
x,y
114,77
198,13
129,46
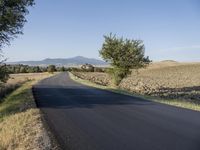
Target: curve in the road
x,y
86,118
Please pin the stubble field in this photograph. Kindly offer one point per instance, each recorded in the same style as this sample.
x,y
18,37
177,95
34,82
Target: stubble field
x,y
166,79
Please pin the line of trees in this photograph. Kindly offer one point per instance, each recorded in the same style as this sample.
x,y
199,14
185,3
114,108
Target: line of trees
x,y
14,69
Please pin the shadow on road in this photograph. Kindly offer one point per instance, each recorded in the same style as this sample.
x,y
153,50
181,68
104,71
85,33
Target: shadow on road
x,y
81,97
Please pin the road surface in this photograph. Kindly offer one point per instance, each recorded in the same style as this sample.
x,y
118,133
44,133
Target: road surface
x,y
86,118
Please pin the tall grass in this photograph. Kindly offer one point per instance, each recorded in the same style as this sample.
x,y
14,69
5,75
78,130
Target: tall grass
x,y
21,125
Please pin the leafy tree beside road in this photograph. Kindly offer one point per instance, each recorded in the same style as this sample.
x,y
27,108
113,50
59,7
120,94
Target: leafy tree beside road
x,y
12,19
123,55
51,68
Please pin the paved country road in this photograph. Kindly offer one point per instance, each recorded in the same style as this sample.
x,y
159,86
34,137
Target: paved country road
x,y
86,118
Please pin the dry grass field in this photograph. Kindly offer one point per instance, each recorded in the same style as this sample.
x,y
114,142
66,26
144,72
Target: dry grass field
x,y
16,80
21,125
167,79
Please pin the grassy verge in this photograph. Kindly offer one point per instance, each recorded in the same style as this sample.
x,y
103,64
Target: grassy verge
x,y
21,123
173,102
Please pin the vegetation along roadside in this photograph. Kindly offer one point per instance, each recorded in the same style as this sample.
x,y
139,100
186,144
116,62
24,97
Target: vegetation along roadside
x,y
21,124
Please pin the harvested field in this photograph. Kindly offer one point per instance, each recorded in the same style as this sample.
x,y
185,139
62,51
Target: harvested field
x,y
169,80
96,77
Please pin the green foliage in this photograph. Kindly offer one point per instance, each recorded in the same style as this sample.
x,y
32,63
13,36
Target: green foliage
x,y
36,69
51,68
123,55
61,69
118,74
12,102
14,69
3,73
22,70
12,18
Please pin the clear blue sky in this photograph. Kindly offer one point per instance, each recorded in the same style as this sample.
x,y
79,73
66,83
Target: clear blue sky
x,y
170,29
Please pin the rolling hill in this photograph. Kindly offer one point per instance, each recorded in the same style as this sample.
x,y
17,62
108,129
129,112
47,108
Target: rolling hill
x,y
74,61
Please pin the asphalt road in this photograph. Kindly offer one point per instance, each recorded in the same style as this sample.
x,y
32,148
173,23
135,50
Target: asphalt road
x,y
86,118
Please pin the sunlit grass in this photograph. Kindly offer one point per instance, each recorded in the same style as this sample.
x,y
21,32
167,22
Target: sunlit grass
x,y
21,124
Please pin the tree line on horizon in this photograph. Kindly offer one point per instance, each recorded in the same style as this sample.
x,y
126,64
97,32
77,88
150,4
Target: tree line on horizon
x,y
20,68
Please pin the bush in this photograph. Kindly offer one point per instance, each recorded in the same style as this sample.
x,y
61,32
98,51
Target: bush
x,y
51,68
118,74
4,90
3,73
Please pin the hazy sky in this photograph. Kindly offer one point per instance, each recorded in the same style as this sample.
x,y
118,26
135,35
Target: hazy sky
x,y
170,29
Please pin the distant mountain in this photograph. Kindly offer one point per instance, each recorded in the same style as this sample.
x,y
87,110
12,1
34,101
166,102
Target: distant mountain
x,y
169,61
75,61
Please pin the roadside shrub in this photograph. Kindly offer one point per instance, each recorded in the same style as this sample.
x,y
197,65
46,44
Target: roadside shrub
x,y
118,74
4,90
4,76
51,68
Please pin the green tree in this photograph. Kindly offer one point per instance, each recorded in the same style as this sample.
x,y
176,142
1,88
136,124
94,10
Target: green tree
x,y
123,55
43,69
3,73
61,69
22,69
51,68
36,69
30,70
12,19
